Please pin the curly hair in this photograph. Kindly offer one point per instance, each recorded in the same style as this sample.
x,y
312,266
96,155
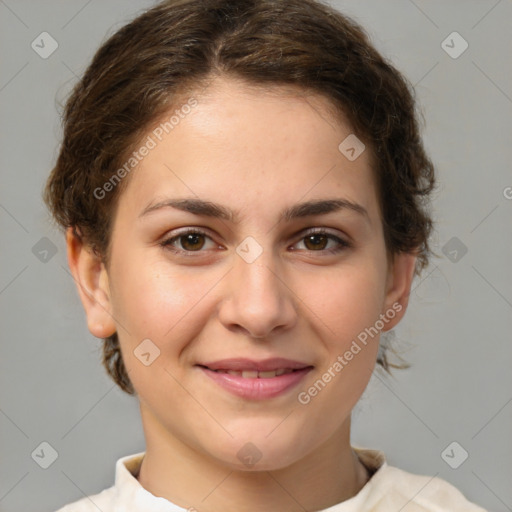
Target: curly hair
x,y
175,47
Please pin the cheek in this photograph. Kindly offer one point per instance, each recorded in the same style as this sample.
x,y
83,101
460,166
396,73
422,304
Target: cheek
x,y
347,307
153,301
346,301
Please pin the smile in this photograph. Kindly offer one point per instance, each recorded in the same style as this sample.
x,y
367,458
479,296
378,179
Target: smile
x,y
251,374
256,380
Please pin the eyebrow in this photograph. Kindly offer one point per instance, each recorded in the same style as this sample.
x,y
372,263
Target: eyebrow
x,y
214,210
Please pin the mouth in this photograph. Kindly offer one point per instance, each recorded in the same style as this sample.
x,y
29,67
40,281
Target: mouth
x,y
252,374
242,364
256,380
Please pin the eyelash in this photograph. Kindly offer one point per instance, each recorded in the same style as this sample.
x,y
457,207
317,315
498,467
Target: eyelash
x,y
167,243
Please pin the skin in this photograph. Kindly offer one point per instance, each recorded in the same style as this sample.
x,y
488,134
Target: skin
x,y
255,152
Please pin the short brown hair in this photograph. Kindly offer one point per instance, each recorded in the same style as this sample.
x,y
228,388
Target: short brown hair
x,y
175,47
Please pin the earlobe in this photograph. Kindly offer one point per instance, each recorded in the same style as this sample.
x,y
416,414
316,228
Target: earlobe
x,y
399,283
92,283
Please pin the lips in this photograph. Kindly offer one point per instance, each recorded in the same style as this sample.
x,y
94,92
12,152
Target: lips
x,y
256,380
244,364
253,374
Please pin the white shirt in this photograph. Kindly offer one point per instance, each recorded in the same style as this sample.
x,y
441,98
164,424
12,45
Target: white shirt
x,y
389,489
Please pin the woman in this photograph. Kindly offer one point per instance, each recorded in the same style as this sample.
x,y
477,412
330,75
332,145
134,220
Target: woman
x,y
242,186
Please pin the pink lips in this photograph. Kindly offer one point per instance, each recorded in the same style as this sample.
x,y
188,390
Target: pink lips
x,y
256,380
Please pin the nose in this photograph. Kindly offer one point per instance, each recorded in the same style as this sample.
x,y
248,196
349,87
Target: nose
x,y
257,300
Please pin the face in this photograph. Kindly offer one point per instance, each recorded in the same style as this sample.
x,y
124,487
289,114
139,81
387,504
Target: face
x,y
254,296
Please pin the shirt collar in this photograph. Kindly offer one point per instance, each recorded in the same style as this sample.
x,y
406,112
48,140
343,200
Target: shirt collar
x,y
131,494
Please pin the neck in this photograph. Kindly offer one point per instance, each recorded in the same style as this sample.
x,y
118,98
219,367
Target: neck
x,y
332,473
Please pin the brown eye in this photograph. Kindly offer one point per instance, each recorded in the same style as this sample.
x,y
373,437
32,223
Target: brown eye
x,y
192,241
189,241
323,242
313,242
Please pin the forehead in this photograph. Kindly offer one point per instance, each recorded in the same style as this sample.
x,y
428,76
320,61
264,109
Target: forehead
x,y
248,146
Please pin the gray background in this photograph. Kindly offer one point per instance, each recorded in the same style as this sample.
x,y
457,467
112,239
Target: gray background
x,y
456,333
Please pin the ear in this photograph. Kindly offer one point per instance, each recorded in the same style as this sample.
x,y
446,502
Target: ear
x,y
93,287
398,288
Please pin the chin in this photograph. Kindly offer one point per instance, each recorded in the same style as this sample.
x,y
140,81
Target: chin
x,y
259,452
